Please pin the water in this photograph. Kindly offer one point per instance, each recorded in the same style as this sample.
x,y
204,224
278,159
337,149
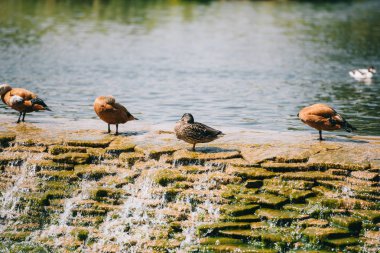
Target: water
x,y
243,64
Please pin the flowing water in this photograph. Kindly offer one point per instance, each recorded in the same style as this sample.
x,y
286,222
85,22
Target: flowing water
x,y
242,64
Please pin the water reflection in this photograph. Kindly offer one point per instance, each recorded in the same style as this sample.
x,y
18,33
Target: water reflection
x,y
238,63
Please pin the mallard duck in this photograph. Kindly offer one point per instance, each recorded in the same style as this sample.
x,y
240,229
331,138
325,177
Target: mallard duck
x,y
111,112
21,100
323,117
362,74
193,132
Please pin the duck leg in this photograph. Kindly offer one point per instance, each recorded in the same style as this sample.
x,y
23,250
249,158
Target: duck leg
x,y
320,135
117,129
19,118
109,128
23,116
194,147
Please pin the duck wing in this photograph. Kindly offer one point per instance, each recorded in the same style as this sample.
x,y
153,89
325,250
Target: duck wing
x,y
201,132
333,117
123,111
25,94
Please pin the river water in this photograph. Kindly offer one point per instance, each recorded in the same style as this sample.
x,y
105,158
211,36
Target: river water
x,y
241,64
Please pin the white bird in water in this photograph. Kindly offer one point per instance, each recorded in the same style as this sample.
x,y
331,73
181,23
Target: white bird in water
x,y
363,74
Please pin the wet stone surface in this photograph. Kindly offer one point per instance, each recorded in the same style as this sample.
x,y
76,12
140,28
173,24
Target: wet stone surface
x,y
116,194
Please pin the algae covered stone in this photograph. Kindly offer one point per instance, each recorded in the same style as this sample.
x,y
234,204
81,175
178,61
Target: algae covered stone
x,y
167,176
72,158
6,138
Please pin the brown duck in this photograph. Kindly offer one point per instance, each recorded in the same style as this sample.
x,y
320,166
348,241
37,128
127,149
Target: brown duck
x,y
193,132
21,100
111,112
323,117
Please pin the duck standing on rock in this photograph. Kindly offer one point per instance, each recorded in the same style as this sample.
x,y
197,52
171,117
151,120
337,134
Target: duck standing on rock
x,y
363,74
323,117
111,112
21,100
193,132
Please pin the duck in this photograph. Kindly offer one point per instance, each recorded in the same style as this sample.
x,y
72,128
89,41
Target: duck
x,y
324,117
21,100
362,74
111,112
194,132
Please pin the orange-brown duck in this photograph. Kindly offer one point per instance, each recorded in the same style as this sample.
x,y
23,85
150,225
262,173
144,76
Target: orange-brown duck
x,y
323,117
111,112
21,100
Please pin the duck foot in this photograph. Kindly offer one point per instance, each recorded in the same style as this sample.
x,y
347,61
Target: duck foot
x,y
320,135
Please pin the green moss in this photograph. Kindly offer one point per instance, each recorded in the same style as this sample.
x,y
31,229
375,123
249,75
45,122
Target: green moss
x,y
294,184
131,158
185,156
251,173
93,172
6,138
313,223
316,234
310,176
118,147
60,149
81,234
214,228
14,236
280,216
10,159
351,223
237,210
342,242
284,167
369,215
242,218
107,192
102,143
219,241
233,248
72,158
263,199
66,175
50,165
167,176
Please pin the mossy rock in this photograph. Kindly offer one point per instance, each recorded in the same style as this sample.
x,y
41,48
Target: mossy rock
x,y
313,223
61,149
88,212
348,203
80,233
233,248
107,192
50,165
310,176
26,149
72,158
7,159
219,241
237,210
102,143
342,242
350,223
93,172
155,152
280,216
118,147
250,173
214,228
164,244
242,234
263,199
369,215
6,138
242,218
294,184
294,195
285,167
185,156
66,175
131,158
316,234
238,162
166,176
14,236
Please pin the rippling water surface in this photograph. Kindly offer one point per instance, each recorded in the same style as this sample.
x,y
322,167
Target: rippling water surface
x,y
239,64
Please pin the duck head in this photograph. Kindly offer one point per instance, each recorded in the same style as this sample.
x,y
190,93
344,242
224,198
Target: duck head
x,y
187,118
372,69
4,88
